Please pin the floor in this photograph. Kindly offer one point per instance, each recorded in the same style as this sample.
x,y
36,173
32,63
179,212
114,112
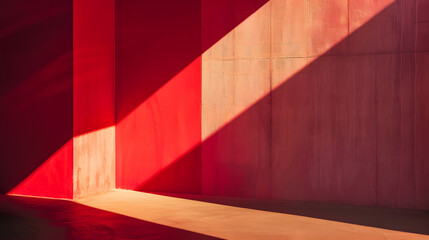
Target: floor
x,y
122,214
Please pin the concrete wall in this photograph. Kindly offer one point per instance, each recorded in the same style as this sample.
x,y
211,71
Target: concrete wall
x,y
298,100
318,101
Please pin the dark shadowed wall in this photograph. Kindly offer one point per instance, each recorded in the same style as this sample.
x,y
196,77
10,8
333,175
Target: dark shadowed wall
x,y
57,97
158,94
36,97
319,101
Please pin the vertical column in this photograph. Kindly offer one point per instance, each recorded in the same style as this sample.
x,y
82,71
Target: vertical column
x,y
93,96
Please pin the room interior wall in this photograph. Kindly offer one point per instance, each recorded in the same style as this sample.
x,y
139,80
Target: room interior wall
x,y
319,101
36,97
315,100
158,95
57,97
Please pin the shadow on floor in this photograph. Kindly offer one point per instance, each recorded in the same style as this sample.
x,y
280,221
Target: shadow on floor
x,y
413,221
37,218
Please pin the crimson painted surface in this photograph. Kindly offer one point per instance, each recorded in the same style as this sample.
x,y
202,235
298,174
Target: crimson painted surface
x,y
158,93
94,65
162,129
53,178
158,85
154,41
36,98
93,96
55,85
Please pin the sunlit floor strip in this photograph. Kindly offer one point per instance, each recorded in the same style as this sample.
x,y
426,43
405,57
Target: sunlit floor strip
x,y
230,222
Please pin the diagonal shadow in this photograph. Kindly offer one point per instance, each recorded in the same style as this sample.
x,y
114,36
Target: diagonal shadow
x,y
37,218
147,57
378,54
413,221
36,71
36,87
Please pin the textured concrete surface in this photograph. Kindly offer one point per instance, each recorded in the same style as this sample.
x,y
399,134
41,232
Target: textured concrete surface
x,y
318,101
94,162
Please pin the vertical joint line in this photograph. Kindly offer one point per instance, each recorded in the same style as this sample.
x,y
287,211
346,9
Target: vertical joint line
x,y
271,101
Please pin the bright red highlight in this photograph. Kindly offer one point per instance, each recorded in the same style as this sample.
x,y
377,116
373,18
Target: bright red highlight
x,y
163,128
53,178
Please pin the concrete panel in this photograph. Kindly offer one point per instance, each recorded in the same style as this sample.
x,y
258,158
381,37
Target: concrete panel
x,y
344,146
236,75
330,20
234,150
422,130
363,11
234,159
289,28
292,135
94,162
422,10
334,120
252,36
284,69
224,49
381,26
422,36
370,22
395,131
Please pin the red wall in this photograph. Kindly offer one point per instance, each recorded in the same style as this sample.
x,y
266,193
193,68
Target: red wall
x,y
157,94
36,97
94,65
349,127
343,118
57,83
158,89
93,96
